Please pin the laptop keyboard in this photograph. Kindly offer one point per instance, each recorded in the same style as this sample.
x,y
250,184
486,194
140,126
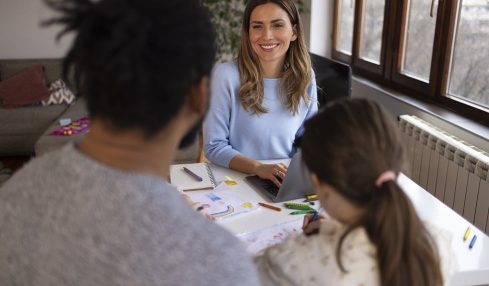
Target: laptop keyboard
x,y
264,185
271,189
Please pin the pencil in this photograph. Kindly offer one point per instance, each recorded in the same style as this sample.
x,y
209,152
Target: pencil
x,y
270,207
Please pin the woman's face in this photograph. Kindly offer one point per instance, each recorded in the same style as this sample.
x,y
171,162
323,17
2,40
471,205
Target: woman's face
x,y
270,33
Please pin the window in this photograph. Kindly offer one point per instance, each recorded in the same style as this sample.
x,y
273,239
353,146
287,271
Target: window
x,y
432,49
371,31
469,61
418,34
345,13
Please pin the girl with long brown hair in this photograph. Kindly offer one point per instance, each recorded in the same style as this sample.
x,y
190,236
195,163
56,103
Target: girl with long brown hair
x,y
260,101
371,234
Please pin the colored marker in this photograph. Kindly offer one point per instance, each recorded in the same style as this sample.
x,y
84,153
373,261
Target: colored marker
x,y
270,207
472,242
298,206
192,174
467,233
310,198
302,212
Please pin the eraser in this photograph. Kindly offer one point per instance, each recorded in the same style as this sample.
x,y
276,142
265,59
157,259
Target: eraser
x,y
64,121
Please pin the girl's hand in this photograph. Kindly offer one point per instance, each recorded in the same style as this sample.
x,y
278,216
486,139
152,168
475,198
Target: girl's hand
x,y
199,208
312,223
272,172
196,206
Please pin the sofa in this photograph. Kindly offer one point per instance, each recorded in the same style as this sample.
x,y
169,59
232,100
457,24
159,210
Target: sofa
x,y
21,127
25,131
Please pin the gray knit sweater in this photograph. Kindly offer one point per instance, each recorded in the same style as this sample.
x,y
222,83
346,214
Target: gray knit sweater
x,y
65,219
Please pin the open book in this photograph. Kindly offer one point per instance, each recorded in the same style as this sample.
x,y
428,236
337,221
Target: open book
x,y
197,176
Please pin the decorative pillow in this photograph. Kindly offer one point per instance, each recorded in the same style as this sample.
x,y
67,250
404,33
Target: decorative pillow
x,y
60,94
25,88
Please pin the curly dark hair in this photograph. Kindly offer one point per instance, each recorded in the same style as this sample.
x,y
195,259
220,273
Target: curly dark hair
x,y
135,61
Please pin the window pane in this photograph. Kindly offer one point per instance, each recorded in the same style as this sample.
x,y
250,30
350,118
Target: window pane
x,y
418,38
345,26
469,70
372,24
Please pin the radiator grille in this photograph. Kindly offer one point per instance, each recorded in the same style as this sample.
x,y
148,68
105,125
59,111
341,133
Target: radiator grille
x,y
452,170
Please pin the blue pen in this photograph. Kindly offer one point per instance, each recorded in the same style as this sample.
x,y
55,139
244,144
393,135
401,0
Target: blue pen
x,y
472,242
314,217
195,176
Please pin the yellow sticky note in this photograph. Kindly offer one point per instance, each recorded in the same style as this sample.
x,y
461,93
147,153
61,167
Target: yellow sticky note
x,y
247,205
229,181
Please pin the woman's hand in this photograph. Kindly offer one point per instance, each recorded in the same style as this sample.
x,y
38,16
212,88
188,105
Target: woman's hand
x,y
312,223
273,172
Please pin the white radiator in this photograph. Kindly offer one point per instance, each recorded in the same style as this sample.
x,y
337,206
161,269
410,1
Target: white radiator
x,y
452,170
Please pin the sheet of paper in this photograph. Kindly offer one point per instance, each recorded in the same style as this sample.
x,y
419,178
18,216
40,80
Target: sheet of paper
x,y
222,202
256,241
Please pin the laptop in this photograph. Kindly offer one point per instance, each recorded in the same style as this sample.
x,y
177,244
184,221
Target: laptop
x,y
295,185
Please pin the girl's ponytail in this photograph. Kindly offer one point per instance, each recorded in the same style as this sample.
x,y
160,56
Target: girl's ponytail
x,y
406,253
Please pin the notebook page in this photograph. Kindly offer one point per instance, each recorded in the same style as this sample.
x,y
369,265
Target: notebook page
x,y
186,182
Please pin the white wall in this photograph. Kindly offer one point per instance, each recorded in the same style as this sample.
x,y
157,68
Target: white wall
x,y
321,37
21,36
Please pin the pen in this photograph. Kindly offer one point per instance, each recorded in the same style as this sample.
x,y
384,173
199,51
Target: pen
x,y
314,217
270,207
195,176
472,242
467,233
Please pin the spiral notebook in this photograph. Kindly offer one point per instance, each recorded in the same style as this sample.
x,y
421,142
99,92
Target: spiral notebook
x,y
186,182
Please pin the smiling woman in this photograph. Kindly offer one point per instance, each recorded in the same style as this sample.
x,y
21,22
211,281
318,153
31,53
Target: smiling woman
x,y
271,33
260,101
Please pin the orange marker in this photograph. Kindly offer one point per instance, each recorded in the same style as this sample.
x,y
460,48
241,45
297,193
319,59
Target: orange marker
x,y
270,207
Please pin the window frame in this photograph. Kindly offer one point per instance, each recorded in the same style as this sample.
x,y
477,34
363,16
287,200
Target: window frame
x,y
386,74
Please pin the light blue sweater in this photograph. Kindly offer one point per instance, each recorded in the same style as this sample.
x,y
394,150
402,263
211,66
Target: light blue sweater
x,y
229,130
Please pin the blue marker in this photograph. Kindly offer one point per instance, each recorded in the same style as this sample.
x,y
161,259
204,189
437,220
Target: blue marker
x,y
472,242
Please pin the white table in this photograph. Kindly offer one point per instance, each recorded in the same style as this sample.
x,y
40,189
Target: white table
x,y
473,264
473,268
256,219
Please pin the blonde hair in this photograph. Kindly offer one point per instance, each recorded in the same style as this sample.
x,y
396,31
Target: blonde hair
x,y
296,75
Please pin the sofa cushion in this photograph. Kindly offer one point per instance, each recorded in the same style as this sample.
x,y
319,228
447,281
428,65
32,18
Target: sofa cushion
x,y
52,67
20,128
29,119
25,88
60,94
